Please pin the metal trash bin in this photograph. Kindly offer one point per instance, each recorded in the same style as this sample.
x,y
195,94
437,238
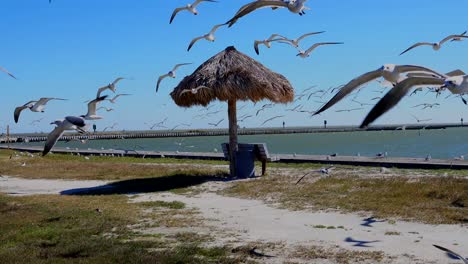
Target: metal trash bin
x,y
245,161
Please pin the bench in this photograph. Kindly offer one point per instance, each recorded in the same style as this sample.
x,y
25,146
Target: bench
x,y
260,152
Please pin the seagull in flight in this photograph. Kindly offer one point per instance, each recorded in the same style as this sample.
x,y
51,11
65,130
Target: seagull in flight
x,y
7,72
34,106
304,54
323,171
295,42
69,123
266,42
110,127
194,90
113,100
171,74
436,46
209,36
189,7
465,260
348,110
92,107
390,72
426,105
105,108
296,6
110,86
216,124
270,119
420,120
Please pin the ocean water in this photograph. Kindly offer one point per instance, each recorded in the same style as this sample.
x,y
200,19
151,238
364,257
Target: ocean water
x,y
443,143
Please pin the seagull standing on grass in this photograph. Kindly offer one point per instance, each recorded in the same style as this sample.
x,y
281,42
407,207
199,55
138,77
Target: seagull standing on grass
x,y
209,36
110,86
437,45
34,106
7,72
171,74
69,123
304,54
189,7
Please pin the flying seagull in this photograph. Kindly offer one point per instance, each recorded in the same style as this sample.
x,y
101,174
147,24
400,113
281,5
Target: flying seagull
x,y
115,98
69,123
193,90
34,106
349,110
295,42
323,171
390,72
7,72
92,107
396,94
270,119
465,260
189,7
216,124
171,74
107,109
110,127
306,53
297,7
110,86
266,42
436,46
209,36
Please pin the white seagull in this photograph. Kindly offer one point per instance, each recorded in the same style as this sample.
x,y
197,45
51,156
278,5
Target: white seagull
x,y
193,90
171,74
437,45
7,72
390,72
306,53
465,260
209,36
92,107
110,86
267,42
294,6
34,106
69,123
189,7
115,98
295,42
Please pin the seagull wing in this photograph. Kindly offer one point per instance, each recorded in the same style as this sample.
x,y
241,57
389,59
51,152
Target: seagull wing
x,y
7,72
52,138
256,43
159,81
414,68
309,34
102,89
199,1
457,72
117,80
395,95
273,36
269,119
309,50
178,65
452,253
350,87
451,37
19,109
93,105
185,91
248,8
417,45
194,41
117,96
213,30
175,13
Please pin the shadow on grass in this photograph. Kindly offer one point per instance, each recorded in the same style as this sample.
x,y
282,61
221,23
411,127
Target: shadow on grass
x,y
148,185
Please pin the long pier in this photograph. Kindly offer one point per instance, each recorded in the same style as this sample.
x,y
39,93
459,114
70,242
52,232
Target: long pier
x,y
17,138
389,162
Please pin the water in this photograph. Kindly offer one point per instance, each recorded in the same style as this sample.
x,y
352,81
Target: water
x,y
444,143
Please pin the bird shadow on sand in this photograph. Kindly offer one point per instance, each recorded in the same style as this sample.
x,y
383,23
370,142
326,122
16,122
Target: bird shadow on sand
x,y
360,243
367,222
149,185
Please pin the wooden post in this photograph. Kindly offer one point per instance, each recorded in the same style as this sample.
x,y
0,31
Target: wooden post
x,y
8,136
232,115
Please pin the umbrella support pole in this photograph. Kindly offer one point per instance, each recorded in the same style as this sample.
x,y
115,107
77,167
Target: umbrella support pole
x,y
232,115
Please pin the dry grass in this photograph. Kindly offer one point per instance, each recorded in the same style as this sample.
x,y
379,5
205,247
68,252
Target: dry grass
x,y
338,255
427,199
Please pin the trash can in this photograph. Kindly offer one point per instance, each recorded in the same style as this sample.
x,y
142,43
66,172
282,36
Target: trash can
x,y
245,161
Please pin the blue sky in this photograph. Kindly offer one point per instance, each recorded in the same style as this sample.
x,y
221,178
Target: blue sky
x,y
68,49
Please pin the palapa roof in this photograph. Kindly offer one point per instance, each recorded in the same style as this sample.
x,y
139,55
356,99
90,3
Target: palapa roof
x,y
231,74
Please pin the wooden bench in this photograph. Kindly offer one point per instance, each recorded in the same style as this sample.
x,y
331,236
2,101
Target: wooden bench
x,y
260,152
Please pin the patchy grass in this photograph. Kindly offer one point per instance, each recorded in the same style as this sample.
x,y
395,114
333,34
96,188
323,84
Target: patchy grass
x,y
392,233
338,255
169,205
427,199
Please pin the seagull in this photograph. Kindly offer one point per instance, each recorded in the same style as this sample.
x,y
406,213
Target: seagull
x,y
426,105
420,120
436,46
36,121
110,127
323,171
349,110
266,42
110,86
390,72
270,119
171,74
209,36
7,72
297,7
450,252
34,106
69,123
92,107
115,98
106,108
189,7
193,90
216,124
295,42
305,54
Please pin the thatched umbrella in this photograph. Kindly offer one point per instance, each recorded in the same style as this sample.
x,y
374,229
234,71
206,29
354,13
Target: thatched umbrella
x,y
231,76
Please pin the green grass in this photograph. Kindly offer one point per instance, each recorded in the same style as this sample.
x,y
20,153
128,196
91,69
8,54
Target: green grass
x,y
170,205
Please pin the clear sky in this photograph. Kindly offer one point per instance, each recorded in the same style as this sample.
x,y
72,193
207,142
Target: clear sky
x,y
68,49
